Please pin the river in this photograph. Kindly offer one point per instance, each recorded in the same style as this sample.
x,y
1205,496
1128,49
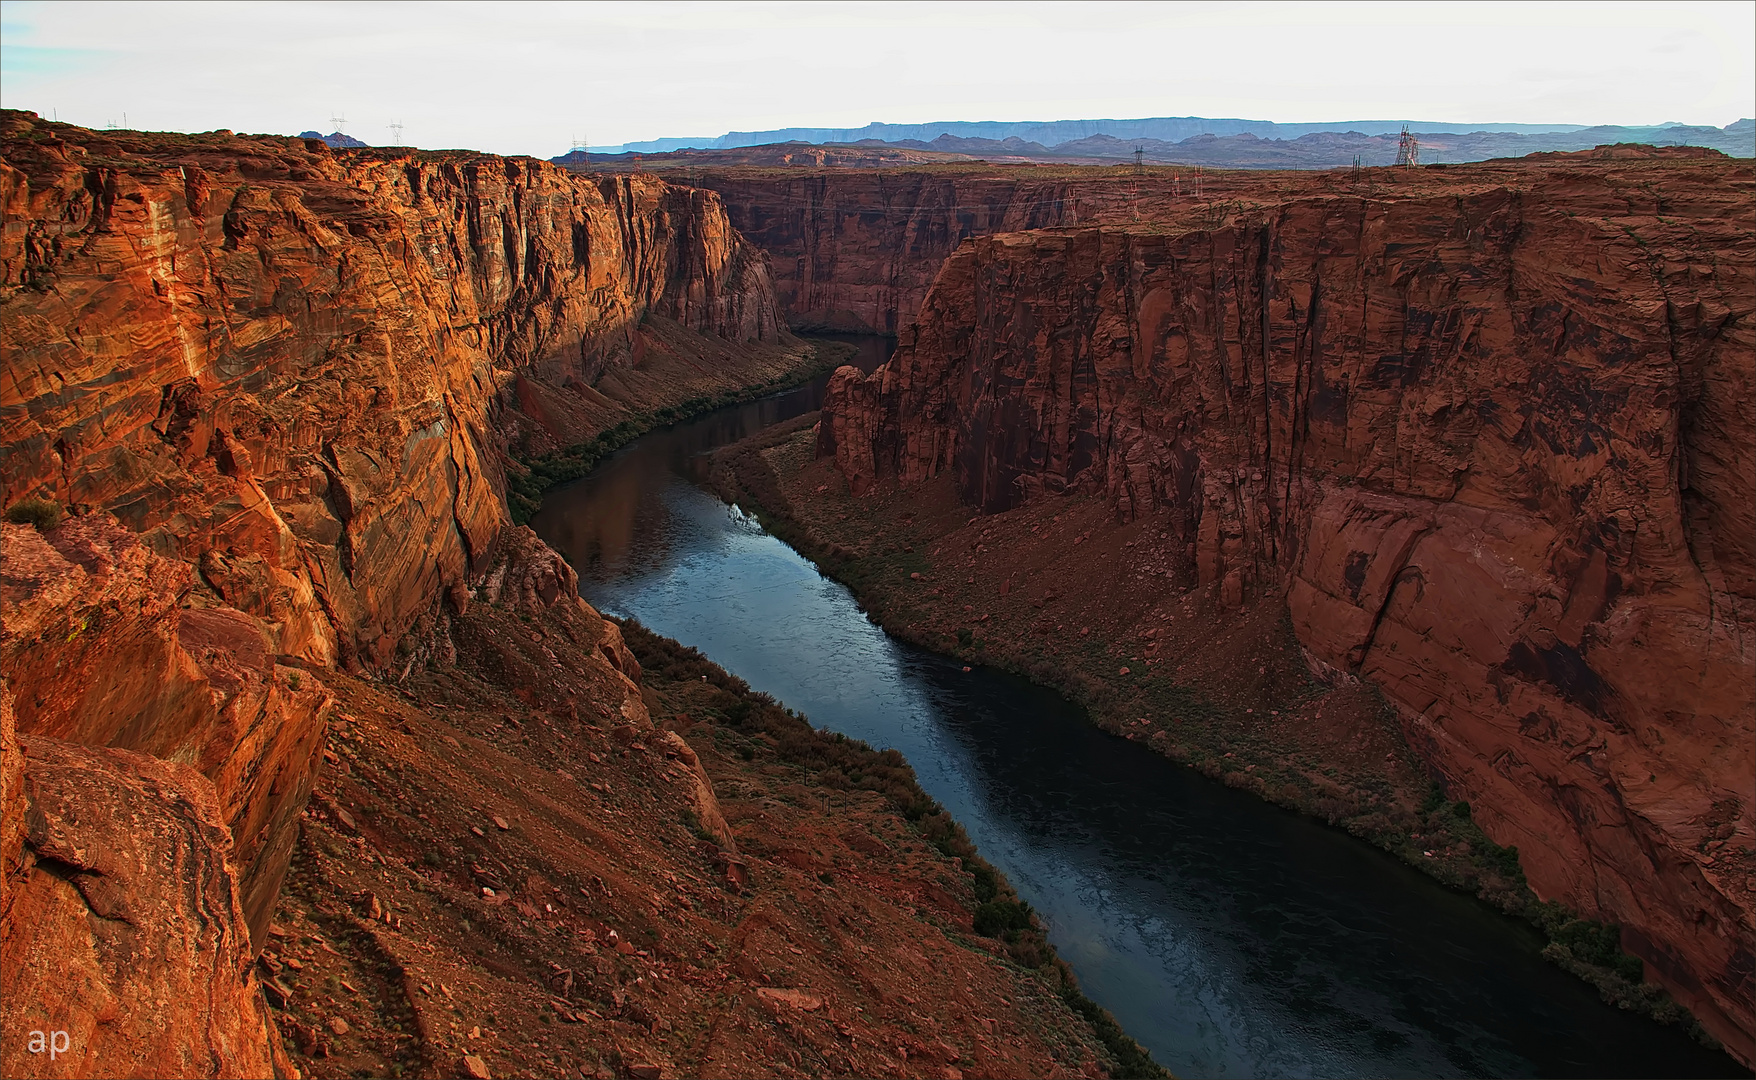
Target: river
x,y
1229,936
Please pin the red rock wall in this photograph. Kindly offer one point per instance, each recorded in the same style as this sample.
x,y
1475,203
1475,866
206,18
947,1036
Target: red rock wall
x,y
283,365
858,250
1494,443
125,911
271,382
105,645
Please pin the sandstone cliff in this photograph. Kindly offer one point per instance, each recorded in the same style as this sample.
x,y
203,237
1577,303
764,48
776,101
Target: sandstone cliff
x,y
1490,437
127,911
106,644
286,365
276,385
857,251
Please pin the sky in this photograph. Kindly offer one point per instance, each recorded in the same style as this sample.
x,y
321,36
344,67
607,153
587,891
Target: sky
x,y
532,78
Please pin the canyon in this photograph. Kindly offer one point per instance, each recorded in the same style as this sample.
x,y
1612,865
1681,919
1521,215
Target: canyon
x,y
1472,442
261,406
1481,433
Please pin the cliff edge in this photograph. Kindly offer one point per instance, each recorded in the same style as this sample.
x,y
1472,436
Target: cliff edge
x,y
279,390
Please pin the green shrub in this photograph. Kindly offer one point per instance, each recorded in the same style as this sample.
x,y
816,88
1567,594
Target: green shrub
x,y
1132,1059
1002,918
45,514
987,884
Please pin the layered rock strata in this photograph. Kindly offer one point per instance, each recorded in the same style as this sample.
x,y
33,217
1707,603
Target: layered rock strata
x,y
285,365
1492,441
107,644
857,251
126,904
275,384
856,248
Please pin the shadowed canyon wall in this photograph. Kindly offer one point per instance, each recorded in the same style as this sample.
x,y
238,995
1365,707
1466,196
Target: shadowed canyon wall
x,y
273,384
1492,440
858,251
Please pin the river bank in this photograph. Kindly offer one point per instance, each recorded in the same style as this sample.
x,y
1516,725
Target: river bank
x,y
560,848
674,382
1052,591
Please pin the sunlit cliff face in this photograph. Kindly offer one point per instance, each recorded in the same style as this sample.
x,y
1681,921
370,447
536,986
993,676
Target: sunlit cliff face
x,y
274,385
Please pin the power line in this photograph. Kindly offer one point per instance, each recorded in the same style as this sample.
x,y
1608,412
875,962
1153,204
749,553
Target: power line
x,y
1408,150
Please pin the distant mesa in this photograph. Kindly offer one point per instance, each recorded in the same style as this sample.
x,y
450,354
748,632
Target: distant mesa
x,y
1191,140
335,140
868,155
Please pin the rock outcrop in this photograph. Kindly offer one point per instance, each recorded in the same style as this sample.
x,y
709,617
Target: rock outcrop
x,y
275,384
1492,439
126,931
104,646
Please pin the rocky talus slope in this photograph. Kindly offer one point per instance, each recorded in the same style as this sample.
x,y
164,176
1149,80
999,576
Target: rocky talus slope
x,y
1486,432
259,406
564,850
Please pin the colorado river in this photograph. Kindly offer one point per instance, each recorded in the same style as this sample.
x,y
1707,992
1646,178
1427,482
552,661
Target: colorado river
x,y
1230,937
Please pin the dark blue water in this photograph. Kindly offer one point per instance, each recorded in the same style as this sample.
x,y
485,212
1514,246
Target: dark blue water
x,y
1230,937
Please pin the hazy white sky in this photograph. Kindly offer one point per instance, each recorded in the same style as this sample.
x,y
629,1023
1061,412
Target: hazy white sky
x,y
528,77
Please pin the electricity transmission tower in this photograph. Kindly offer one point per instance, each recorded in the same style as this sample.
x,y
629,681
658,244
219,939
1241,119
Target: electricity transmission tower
x,y
340,123
1408,151
1139,153
396,133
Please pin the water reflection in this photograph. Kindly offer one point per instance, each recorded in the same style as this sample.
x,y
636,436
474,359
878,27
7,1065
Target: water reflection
x,y
628,528
1230,937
